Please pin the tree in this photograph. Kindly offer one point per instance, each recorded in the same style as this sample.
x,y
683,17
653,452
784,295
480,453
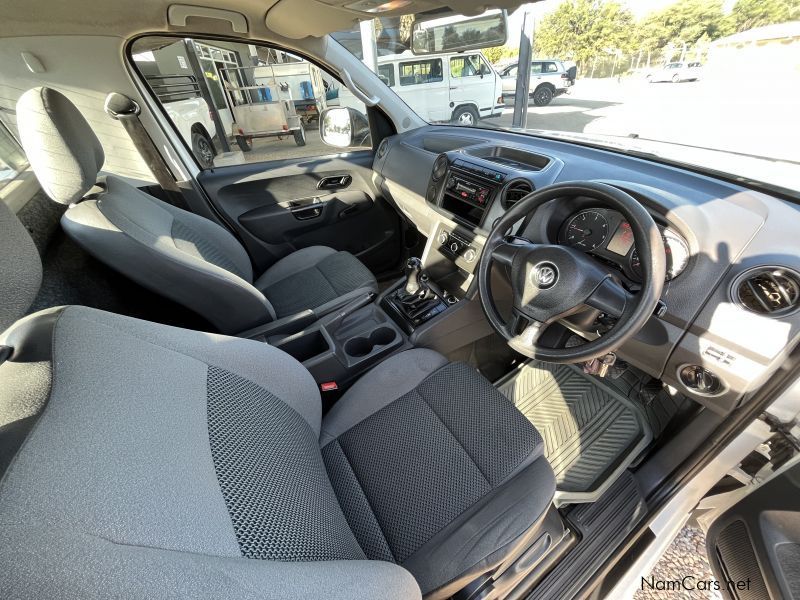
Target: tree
x,y
684,22
497,53
581,29
747,14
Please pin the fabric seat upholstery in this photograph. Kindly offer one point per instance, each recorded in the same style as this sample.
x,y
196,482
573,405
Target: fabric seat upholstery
x,y
435,469
130,465
173,252
162,463
312,278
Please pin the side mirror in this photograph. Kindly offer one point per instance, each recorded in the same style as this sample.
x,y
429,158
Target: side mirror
x,y
344,127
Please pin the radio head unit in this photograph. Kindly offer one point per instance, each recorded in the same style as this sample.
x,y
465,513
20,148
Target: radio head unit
x,y
465,189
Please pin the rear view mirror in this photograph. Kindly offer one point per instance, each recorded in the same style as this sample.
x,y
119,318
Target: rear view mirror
x,y
456,33
343,127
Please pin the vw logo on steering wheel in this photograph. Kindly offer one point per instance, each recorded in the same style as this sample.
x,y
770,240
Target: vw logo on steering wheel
x,y
544,275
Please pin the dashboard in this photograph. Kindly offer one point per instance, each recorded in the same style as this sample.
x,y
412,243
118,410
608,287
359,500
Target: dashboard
x,y
725,244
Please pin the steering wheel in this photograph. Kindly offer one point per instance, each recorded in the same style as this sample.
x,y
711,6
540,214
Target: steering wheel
x,y
549,281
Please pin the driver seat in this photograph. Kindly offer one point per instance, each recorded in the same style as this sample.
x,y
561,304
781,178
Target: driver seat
x,y
141,460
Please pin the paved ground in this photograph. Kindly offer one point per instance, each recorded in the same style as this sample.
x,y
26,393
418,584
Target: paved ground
x,y
716,113
686,556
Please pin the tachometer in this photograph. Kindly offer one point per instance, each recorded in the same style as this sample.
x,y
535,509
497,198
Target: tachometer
x,y
586,230
677,251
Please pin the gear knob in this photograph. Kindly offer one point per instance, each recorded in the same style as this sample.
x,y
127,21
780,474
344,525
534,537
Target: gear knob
x,y
413,271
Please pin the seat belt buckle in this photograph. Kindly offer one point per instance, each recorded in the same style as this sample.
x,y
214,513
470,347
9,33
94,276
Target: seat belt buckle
x,y
328,386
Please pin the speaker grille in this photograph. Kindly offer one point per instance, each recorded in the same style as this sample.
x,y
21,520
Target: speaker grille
x,y
440,167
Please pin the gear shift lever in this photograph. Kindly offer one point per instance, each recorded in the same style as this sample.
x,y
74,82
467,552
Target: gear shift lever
x,y
420,298
413,272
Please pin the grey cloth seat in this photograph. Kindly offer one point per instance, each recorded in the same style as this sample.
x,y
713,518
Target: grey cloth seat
x,y
435,469
149,461
171,251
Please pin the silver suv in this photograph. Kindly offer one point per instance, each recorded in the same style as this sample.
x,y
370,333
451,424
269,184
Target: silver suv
x,y
549,78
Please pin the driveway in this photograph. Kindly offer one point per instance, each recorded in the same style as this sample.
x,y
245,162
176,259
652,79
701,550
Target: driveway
x,y
718,113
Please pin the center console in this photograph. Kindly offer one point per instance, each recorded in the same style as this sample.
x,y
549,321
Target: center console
x,y
435,304
464,188
416,300
341,346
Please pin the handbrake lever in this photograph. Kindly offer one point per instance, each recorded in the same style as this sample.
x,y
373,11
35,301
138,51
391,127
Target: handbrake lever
x,y
348,309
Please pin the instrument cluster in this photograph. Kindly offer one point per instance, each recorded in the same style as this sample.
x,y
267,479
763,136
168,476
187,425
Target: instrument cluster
x,y
606,234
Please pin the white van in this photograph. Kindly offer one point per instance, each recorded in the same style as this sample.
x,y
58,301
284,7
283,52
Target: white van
x,y
461,87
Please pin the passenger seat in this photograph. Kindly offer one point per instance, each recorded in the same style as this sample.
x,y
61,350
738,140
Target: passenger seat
x,y
173,252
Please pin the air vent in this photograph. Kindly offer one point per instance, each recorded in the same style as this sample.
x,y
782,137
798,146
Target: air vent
x,y
772,291
440,167
383,147
515,192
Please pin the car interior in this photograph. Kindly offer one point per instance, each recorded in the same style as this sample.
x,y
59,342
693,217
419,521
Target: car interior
x,y
455,363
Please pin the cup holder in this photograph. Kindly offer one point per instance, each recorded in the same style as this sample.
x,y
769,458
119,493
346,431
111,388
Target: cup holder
x,y
382,336
363,345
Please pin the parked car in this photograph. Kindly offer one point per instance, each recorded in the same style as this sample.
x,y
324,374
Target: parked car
x,y
549,78
457,87
676,72
180,96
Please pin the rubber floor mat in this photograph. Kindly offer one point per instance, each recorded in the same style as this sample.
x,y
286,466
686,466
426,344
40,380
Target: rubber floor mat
x,y
591,432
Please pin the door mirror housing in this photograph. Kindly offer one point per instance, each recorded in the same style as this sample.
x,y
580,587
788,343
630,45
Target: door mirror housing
x,y
343,127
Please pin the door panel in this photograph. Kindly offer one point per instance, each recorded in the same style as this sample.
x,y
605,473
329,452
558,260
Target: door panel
x,y
755,544
280,206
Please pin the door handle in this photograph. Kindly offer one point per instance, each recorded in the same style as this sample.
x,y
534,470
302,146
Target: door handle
x,y
348,211
307,212
334,182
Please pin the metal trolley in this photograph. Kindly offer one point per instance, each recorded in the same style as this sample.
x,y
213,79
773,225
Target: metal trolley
x,y
261,106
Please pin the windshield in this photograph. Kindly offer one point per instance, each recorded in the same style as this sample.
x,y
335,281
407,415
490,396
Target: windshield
x,y
671,79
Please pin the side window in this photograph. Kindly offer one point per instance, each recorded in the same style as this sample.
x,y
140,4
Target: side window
x,y
550,68
511,72
536,68
468,66
235,103
421,71
12,159
386,73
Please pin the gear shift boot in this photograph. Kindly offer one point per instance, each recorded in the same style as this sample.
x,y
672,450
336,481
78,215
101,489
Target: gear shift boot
x,y
418,299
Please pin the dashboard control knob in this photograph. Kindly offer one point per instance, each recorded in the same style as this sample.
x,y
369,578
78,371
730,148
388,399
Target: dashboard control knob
x,y
451,183
443,237
454,247
700,380
470,255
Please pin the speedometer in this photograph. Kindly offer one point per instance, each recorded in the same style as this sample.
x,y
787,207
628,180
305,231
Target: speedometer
x,y
586,230
677,251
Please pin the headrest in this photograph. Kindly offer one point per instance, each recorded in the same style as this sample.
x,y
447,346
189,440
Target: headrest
x,y
20,268
61,147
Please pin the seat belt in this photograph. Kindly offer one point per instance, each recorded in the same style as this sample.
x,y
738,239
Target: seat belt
x,y
126,111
